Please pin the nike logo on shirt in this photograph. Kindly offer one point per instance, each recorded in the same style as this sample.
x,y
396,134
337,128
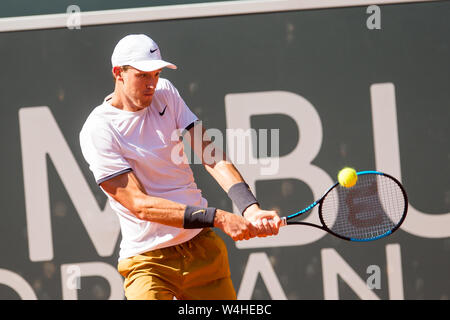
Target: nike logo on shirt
x,y
162,112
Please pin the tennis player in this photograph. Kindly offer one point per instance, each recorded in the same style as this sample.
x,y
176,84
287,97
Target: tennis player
x,y
168,248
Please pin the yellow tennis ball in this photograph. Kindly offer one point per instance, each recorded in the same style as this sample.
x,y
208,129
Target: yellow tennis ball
x,y
347,177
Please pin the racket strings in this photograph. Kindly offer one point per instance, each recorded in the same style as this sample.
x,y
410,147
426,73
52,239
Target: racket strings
x,y
371,208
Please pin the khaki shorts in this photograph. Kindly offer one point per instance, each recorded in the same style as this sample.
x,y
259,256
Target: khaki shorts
x,y
195,270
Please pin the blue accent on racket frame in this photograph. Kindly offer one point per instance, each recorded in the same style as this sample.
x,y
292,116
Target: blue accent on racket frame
x,y
369,172
373,238
312,205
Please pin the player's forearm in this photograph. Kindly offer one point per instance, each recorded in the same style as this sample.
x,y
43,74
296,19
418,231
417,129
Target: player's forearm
x,y
225,173
169,213
159,210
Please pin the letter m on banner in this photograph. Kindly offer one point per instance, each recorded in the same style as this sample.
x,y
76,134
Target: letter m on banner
x,y
41,136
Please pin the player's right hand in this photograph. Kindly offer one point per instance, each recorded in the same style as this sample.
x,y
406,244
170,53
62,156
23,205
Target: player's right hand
x,y
267,222
237,227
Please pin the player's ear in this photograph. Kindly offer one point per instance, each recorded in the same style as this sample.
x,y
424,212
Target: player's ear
x,y
117,73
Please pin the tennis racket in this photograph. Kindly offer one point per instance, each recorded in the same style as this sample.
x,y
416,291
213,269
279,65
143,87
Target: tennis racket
x,y
373,208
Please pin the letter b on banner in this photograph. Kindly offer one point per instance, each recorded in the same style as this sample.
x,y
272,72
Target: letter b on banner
x,y
297,164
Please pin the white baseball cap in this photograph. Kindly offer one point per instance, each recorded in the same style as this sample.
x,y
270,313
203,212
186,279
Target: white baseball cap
x,y
140,52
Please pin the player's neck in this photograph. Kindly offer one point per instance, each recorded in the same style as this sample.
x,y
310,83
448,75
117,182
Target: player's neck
x,y
120,101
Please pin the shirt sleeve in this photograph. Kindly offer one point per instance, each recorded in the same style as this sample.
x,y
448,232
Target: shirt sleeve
x,y
184,117
102,152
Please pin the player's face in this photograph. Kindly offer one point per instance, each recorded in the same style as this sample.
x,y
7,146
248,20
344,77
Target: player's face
x,y
140,86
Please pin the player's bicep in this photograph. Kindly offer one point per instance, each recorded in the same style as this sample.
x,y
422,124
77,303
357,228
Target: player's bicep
x,y
203,145
125,189
193,134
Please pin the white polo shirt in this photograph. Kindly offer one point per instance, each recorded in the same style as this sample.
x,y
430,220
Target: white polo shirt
x,y
114,141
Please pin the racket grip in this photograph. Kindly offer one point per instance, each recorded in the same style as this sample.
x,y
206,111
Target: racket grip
x,y
283,222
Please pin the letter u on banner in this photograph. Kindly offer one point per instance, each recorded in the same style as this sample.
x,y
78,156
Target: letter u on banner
x,y
387,158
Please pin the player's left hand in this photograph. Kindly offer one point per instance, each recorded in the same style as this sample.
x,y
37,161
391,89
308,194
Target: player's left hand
x,y
267,222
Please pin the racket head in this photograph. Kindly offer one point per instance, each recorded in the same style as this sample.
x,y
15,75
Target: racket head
x,y
372,209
